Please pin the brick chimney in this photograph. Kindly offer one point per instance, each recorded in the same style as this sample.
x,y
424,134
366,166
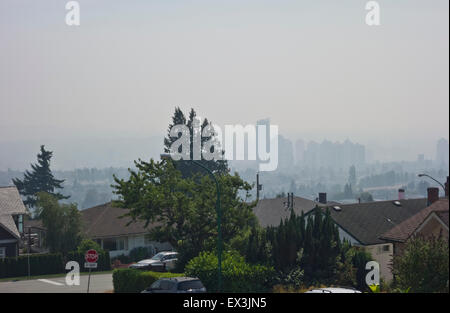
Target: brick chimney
x,y
401,194
323,197
433,195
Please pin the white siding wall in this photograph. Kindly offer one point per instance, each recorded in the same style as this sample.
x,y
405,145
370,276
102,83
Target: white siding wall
x,y
139,241
384,258
344,235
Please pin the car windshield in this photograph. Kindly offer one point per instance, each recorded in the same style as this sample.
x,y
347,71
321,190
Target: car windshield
x,y
192,284
158,256
156,285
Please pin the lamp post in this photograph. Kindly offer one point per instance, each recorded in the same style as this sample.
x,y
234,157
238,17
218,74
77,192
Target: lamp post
x,y
167,156
426,175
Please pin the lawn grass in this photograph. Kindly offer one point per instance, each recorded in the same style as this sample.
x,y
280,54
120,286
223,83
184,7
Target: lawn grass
x,y
49,276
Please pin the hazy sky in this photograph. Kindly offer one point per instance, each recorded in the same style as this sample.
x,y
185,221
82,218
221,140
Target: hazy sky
x,y
314,67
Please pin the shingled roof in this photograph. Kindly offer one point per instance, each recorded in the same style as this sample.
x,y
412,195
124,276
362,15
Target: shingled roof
x,y
103,221
366,222
270,212
404,230
10,204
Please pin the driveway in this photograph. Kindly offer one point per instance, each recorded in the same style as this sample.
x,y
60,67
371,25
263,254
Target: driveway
x,y
99,284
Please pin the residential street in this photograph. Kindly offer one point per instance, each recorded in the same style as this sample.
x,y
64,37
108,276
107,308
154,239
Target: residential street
x,y
99,284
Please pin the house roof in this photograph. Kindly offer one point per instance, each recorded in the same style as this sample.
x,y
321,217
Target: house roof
x,y
404,230
104,221
270,212
443,215
10,204
366,222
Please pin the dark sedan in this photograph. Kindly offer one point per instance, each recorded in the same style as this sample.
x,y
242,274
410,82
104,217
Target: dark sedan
x,y
176,285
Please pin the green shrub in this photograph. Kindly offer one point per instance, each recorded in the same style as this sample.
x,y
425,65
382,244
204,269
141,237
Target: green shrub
x,y
128,280
40,264
237,275
87,244
139,253
423,266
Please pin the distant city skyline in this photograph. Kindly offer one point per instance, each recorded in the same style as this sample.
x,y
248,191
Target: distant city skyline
x,y
122,151
313,67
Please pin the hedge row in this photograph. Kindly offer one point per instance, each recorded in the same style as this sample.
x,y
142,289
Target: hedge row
x,y
128,280
237,275
40,264
51,263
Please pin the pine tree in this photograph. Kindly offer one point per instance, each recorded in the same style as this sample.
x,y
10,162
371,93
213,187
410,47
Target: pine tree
x,y
188,168
39,179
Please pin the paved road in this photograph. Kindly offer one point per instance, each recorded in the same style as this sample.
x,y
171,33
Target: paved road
x,y
99,284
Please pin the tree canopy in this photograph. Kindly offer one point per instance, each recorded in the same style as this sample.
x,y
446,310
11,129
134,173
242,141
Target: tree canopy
x,y
61,221
423,265
183,210
39,179
188,168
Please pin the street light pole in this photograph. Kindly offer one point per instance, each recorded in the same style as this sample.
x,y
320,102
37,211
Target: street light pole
x,y
219,216
426,175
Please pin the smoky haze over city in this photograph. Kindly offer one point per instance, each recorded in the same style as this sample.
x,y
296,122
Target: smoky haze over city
x,y
355,105
229,151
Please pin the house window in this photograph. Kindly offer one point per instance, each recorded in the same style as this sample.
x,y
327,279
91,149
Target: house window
x,y
384,249
2,252
114,244
122,244
18,220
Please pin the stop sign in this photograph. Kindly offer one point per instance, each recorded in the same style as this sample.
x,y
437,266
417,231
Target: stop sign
x,y
91,256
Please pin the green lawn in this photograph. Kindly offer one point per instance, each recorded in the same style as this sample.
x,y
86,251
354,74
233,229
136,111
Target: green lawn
x,y
49,276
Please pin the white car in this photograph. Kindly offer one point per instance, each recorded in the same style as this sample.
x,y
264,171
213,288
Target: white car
x,y
162,261
333,290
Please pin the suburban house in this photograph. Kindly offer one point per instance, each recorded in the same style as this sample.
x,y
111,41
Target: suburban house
x,y
12,211
362,224
105,225
430,222
270,212
369,225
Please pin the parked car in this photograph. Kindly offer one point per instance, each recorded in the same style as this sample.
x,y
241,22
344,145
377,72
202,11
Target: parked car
x,y
162,261
334,290
176,285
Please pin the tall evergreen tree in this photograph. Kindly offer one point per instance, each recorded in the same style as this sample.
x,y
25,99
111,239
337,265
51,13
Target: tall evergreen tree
x,y
39,179
188,168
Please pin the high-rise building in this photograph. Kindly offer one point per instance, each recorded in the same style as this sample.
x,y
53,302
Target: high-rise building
x,y
285,153
334,155
442,154
299,151
265,122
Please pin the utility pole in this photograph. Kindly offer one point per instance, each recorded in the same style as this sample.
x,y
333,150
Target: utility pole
x,y
29,250
258,187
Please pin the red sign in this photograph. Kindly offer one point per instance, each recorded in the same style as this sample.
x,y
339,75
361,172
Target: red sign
x,y
91,256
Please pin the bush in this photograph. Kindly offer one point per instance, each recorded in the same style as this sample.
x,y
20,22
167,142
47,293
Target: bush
x,y
294,279
423,266
128,280
237,275
87,244
40,264
139,253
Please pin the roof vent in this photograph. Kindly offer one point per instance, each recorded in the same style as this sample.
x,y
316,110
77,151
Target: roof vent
x,y
397,203
337,208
